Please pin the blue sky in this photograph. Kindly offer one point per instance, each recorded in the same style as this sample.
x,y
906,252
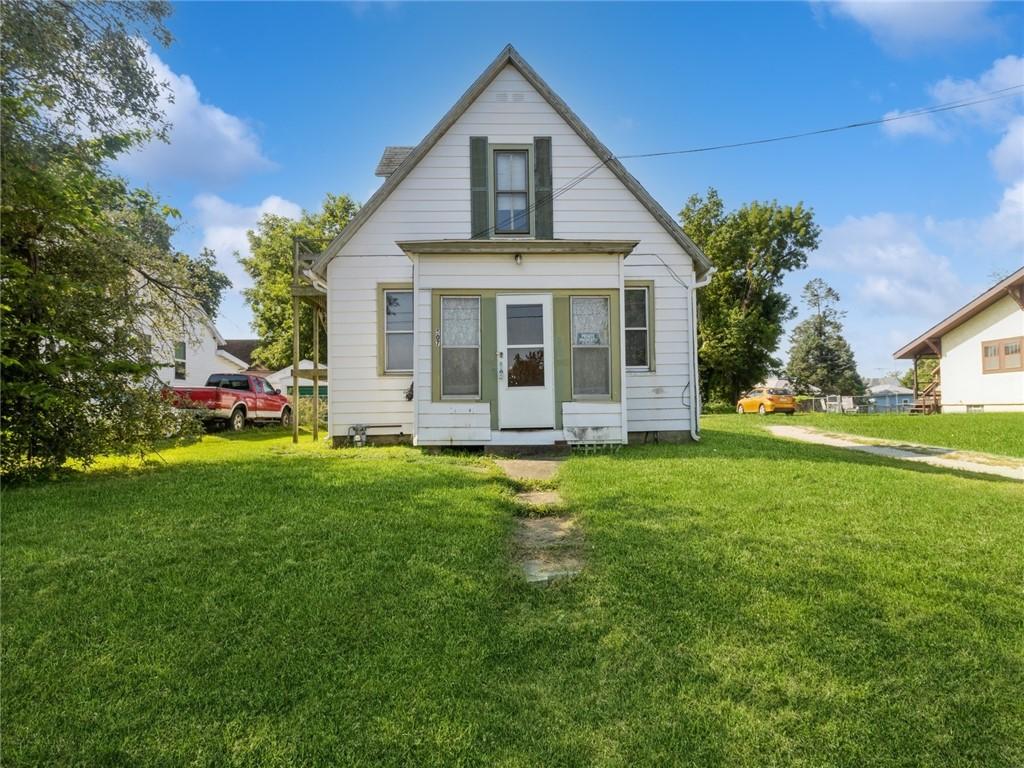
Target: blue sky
x,y
277,104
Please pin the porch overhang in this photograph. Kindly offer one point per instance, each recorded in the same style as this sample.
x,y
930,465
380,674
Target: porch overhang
x,y
511,247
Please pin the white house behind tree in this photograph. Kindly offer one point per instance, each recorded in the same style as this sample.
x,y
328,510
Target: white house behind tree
x,y
980,349
510,283
193,351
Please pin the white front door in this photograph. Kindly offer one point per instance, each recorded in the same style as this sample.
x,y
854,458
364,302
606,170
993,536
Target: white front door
x,y
526,370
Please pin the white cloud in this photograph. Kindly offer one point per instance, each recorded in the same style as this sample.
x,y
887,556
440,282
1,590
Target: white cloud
x,y
895,270
1004,229
207,144
1004,73
917,125
224,226
903,27
1007,157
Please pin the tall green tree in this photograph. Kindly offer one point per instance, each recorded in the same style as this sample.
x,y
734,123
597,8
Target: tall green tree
x,y
819,356
272,248
205,281
743,309
85,262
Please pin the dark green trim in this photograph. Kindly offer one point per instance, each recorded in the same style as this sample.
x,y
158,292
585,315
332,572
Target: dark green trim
x,y
544,221
381,352
531,195
479,175
649,285
614,346
561,342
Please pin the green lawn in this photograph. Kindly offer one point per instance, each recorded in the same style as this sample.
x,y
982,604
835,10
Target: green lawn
x,y
999,433
745,602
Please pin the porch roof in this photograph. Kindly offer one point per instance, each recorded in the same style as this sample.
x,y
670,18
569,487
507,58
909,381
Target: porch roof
x,y
929,343
515,246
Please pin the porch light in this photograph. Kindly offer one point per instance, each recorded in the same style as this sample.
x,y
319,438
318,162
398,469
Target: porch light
x,y
519,258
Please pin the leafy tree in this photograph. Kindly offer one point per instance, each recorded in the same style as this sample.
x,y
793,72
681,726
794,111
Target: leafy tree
x,y
820,356
205,281
272,246
926,371
742,309
84,261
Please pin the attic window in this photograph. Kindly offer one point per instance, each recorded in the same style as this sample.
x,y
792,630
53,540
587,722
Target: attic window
x,y
511,192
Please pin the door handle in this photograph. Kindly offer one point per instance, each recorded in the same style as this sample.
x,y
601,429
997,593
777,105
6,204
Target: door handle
x,y
501,366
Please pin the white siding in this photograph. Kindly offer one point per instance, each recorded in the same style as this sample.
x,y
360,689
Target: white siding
x,y
660,399
963,382
201,358
432,202
357,394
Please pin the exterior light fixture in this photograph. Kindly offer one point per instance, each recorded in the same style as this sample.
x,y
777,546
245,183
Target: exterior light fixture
x,y
519,258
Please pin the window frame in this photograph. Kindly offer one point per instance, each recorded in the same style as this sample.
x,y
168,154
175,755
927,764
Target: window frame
x,y
183,361
478,346
607,347
1000,345
648,287
383,289
492,182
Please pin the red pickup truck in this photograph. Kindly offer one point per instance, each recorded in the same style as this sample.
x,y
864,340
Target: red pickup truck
x,y
236,399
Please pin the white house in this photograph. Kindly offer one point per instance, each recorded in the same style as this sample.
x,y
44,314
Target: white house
x,y
510,283
194,351
979,348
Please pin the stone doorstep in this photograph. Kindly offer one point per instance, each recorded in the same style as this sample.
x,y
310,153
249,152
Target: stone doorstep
x,y
530,469
545,572
547,549
539,498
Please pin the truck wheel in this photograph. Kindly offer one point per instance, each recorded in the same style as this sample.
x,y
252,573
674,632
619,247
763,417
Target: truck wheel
x,y
286,418
237,422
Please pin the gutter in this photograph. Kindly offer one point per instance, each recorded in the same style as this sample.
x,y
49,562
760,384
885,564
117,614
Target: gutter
x,y
694,377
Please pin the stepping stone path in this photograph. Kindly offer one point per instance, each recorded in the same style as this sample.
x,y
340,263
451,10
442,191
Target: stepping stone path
x,y
546,547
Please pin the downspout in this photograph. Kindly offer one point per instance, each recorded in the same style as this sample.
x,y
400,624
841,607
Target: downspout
x,y
694,377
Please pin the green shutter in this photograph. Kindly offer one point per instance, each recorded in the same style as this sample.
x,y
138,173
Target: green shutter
x,y
544,209
479,220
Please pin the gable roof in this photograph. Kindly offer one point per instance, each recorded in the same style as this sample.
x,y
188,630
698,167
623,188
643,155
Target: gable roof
x,y
928,344
391,159
241,349
509,56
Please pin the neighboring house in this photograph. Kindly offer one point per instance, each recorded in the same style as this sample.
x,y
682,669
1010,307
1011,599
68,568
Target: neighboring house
x,y
980,349
514,270
889,396
194,352
282,380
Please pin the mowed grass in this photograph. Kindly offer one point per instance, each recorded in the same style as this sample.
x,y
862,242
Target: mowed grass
x,y
745,602
998,433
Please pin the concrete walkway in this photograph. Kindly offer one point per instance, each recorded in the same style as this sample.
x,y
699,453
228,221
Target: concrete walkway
x,y
944,458
547,545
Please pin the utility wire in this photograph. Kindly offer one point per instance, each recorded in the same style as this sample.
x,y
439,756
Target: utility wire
x,y
1002,93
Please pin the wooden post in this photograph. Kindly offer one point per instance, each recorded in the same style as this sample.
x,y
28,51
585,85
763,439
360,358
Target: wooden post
x,y
915,377
295,368
316,376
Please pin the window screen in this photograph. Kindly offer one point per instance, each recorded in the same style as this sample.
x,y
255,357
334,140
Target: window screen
x,y
460,346
180,370
398,331
511,192
637,328
591,350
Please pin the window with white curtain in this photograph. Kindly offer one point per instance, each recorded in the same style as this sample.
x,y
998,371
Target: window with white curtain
x,y
460,347
591,348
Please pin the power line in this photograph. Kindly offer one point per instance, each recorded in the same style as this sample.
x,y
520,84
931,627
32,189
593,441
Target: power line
x,y
1001,93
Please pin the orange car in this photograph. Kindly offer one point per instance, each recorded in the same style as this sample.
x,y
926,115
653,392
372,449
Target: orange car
x,y
767,400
